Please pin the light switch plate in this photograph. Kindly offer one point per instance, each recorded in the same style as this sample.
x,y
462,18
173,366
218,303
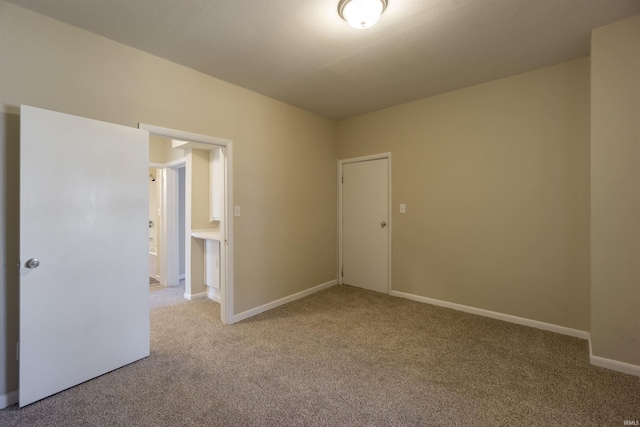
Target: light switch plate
x,y
236,211
403,208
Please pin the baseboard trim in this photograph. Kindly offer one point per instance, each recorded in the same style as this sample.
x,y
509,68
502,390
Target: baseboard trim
x,y
8,399
214,294
191,297
495,315
614,365
277,303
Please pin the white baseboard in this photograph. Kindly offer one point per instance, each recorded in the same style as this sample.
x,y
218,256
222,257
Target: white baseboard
x,y
269,306
495,315
214,294
8,399
614,365
191,297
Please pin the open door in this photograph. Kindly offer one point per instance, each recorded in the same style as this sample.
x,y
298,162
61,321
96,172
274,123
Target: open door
x,y
84,297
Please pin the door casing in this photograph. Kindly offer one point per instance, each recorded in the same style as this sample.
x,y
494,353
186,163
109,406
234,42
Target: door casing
x,y
168,227
226,225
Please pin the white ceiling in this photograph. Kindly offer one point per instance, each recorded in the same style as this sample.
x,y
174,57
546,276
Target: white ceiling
x,y
301,52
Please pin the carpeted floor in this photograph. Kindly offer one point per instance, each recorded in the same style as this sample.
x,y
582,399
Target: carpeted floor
x,y
159,296
345,357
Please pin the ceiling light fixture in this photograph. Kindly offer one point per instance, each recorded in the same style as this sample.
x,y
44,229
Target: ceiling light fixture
x,y
361,13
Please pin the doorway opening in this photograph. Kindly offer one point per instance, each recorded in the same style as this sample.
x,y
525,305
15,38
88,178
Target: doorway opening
x,y
204,234
154,210
167,228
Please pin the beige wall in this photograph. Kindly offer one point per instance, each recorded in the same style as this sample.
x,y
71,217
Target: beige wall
x,y
496,182
615,191
284,157
198,166
495,177
161,150
200,189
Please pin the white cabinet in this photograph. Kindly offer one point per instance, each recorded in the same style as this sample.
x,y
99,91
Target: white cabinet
x,y
211,239
216,173
212,264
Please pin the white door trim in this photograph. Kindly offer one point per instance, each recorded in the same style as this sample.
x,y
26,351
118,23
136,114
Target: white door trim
x,y
168,256
170,252
226,225
341,163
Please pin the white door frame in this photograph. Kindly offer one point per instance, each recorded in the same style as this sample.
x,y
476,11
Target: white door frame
x,y
226,225
168,255
341,164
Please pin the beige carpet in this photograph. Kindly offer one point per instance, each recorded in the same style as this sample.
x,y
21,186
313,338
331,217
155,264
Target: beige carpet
x,y
159,296
345,357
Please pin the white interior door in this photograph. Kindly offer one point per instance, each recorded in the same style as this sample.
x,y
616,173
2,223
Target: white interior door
x,y
365,228
84,310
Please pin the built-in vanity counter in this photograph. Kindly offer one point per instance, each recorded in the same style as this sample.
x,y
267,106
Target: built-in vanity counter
x,y
207,234
211,239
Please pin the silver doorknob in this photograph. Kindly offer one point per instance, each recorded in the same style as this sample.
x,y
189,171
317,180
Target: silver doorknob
x,y
32,263
383,224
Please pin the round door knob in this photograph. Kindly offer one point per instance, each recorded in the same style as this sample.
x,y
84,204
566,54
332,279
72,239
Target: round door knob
x,y
383,224
32,263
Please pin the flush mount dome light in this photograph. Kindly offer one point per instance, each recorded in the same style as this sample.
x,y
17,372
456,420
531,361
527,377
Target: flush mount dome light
x,y
361,13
